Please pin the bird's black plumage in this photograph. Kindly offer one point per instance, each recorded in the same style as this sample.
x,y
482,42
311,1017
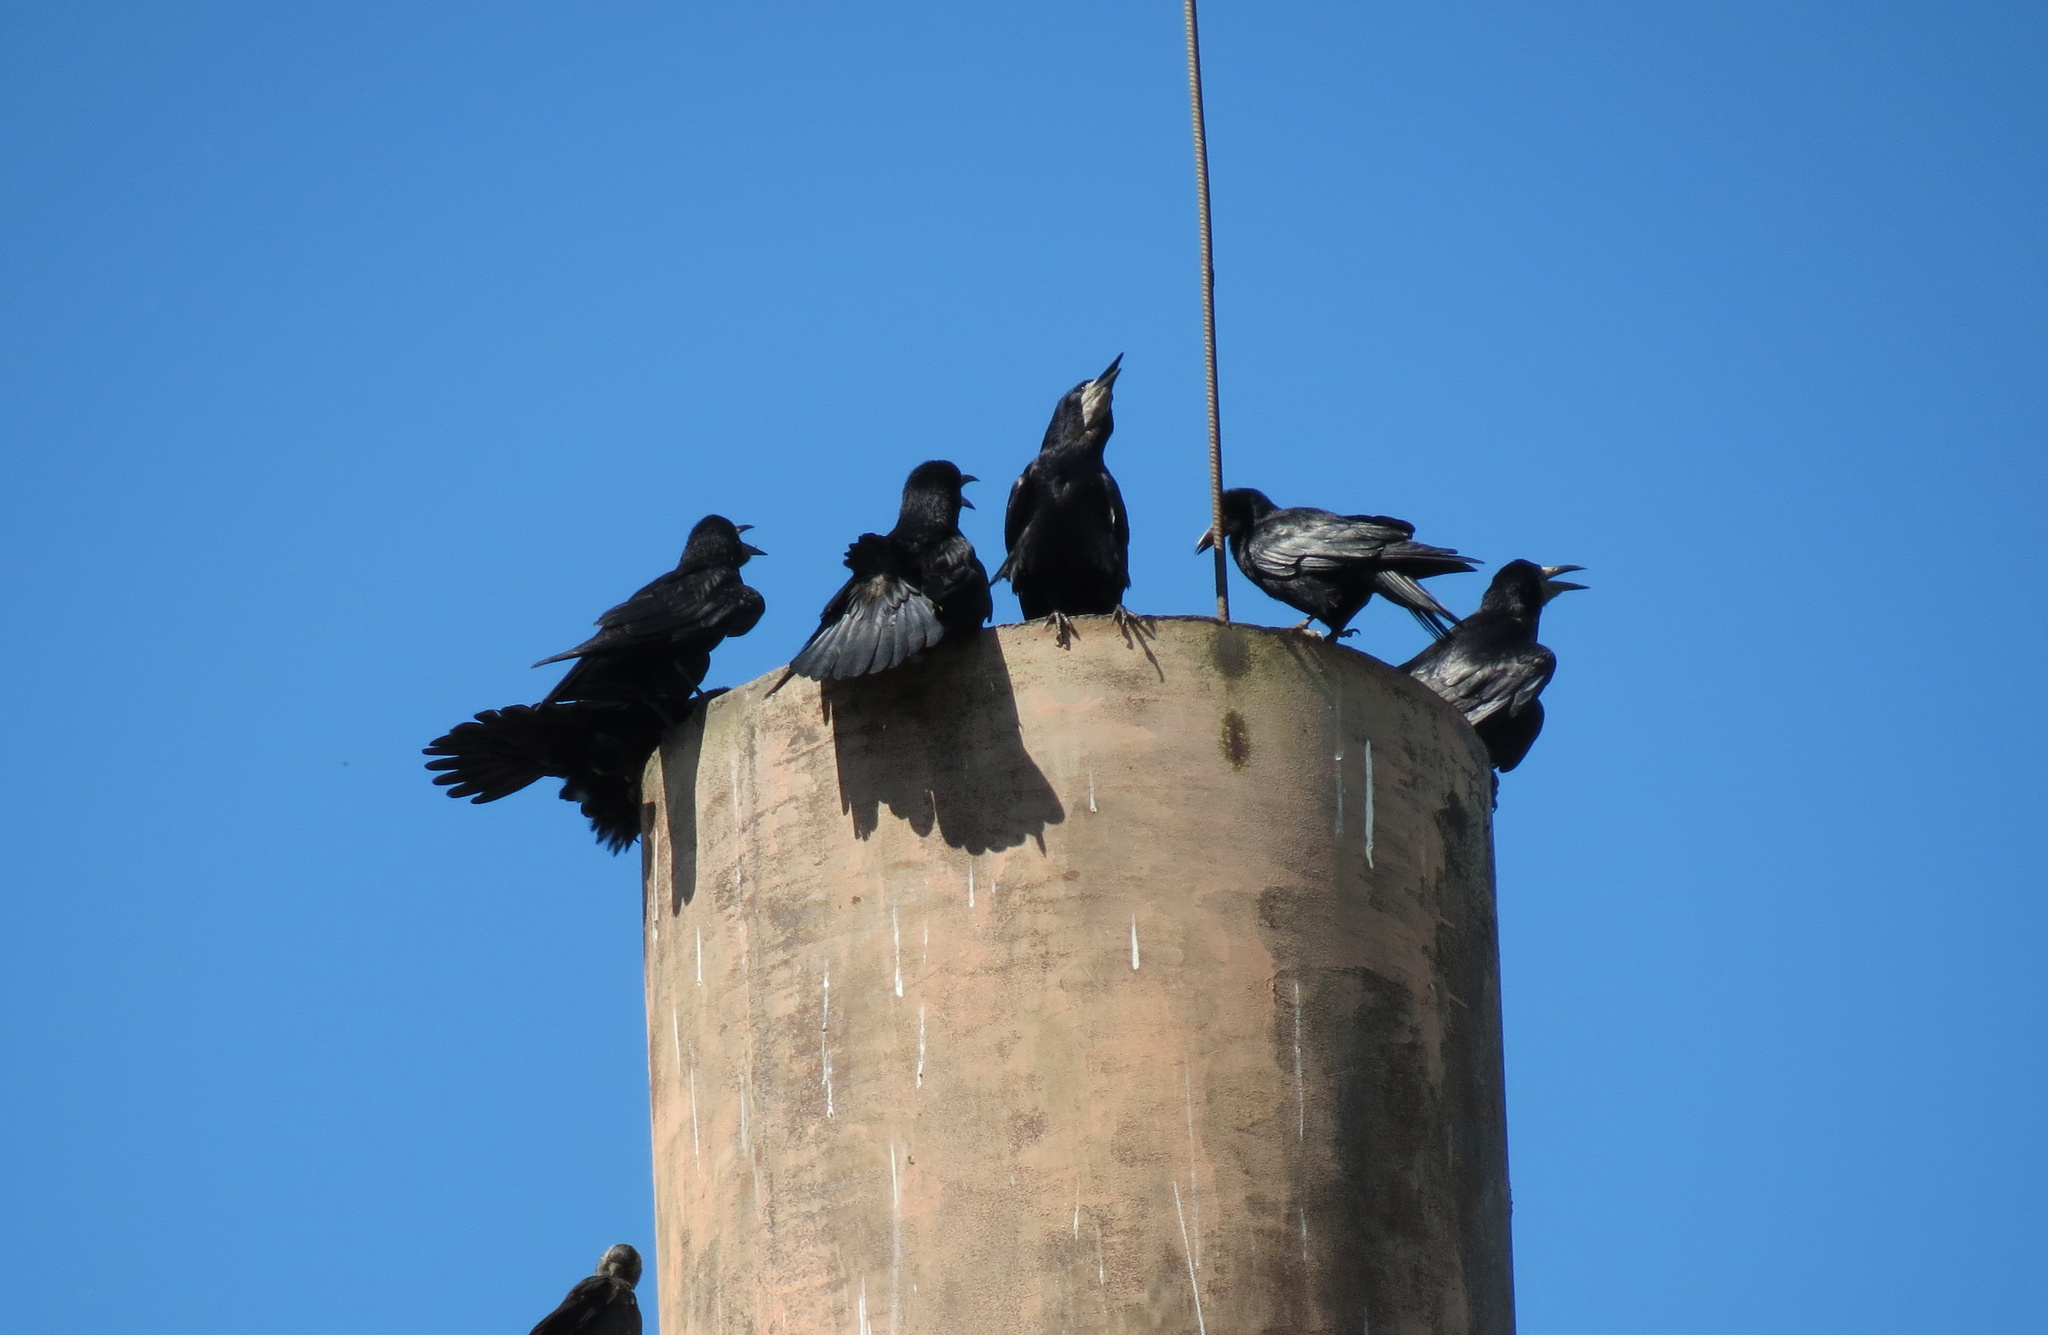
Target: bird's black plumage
x,y
1490,665
632,681
1328,566
913,586
1066,528
602,1304
596,747
655,647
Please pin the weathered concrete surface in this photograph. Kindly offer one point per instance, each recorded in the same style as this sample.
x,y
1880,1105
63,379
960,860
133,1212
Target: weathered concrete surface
x,y
1079,990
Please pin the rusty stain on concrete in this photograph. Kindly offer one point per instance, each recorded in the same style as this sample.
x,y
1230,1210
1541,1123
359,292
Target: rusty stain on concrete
x,y
1273,1102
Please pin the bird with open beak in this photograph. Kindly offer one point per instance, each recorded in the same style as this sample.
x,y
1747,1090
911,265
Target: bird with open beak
x,y
912,587
1490,665
1068,534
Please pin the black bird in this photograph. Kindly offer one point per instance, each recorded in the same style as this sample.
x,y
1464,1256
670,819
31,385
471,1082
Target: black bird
x,y
604,1303
913,586
633,680
655,647
1068,534
1490,665
1330,565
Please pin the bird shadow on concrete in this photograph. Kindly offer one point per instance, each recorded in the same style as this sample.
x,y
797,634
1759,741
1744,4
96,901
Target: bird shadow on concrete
x,y
936,741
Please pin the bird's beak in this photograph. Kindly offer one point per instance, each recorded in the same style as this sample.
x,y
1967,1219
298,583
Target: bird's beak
x,y
1208,540
1553,586
1095,398
966,478
751,550
1111,372
741,528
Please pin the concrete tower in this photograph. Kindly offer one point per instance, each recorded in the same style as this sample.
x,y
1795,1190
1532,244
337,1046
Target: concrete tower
x,y
1113,988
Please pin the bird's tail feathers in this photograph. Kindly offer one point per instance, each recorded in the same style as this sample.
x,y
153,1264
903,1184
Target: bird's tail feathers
x,y
1403,590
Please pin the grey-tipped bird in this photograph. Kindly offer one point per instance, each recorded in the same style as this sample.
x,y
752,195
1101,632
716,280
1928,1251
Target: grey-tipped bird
x,y
1328,566
1490,665
602,1304
1068,534
913,586
633,680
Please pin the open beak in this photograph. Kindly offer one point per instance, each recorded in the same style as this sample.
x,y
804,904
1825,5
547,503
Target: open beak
x,y
1208,540
966,478
1111,372
1553,585
751,550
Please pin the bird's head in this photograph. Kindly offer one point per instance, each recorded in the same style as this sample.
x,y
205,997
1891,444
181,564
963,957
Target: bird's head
x,y
1521,588
1083,417
716,542
1243,507
932,492
621,1262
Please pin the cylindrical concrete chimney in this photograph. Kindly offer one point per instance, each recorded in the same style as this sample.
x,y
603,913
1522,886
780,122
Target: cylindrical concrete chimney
x,y
1120,987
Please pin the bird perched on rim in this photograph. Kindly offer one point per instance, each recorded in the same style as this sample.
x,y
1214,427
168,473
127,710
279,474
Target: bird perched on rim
x,y
913,586
1330,565
602,1304
655,647
1491,667
1068,534
633,680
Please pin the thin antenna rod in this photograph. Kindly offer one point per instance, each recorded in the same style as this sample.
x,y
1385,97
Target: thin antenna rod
x,y
1208,312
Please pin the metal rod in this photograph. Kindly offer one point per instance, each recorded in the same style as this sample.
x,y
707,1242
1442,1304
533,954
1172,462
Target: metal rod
x,y
1208,312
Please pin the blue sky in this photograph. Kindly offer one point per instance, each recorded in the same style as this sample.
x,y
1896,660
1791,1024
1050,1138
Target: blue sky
x,y
355,356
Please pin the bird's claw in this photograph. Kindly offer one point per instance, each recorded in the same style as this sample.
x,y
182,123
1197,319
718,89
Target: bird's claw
x,y
1063,629
1134,627
1301,627
1341,634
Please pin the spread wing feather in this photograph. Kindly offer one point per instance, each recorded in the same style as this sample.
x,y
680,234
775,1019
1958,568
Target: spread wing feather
x,y
1481,688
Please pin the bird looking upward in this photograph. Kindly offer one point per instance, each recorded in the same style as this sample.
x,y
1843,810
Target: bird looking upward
x,y
602,1304
1328,566
1068,534
1491,667
632,681
913,586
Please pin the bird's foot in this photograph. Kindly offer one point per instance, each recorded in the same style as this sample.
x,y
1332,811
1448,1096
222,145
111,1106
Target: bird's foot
x,y
1063,632
1341,634
1301,627
1136,629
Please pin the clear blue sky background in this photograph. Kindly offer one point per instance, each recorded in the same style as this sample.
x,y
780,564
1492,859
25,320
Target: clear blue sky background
x,y
355,356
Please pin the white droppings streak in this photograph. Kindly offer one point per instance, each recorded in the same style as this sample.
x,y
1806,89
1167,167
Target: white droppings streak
x,y
970,885
862,1310
1101,1269
1134,941
920,1045
1300,1086
825,1039
1077,1207
1187,1083
896,936
1368,804
700,957
696,1146
895,1245
1303,1216
1194,1285
1340,791
675,1039
1091,790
